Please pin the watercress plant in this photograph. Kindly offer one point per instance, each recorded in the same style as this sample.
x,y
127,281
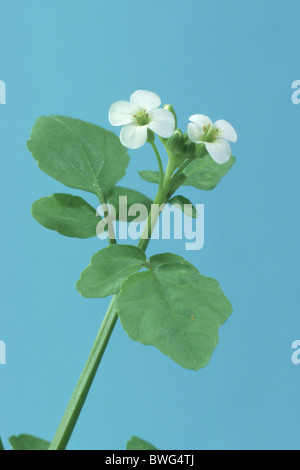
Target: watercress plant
x,y
163,300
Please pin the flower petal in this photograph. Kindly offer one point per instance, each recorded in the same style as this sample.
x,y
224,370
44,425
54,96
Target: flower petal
x,y
121,113
162,122
133,136
145,99
201,120
195,132
219,150
226,130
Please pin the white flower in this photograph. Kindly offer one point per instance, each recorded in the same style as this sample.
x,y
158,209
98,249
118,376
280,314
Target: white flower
x,y
215,136
139,115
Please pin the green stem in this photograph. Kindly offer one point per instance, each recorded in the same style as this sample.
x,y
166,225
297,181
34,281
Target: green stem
x,y
160,166
111,231
169,172
152,220
83,386
158,201
200,154
181,168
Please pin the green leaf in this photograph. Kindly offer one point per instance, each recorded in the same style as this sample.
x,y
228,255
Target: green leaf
x,y
136,443
1,445
133,197
78,154
174,308
205,173
69,215
202,173
182,201
27,442
108,269
150,176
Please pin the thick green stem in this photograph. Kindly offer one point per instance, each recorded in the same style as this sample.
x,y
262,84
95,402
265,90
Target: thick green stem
x,y
152,220
83,386
158,201
169,172
182,167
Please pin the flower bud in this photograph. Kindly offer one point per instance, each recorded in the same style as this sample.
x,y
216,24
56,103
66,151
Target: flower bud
x,y
175,143
201,151
170,108
189,149
150,136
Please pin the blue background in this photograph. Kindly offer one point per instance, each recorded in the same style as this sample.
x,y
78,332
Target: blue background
x,y
230,60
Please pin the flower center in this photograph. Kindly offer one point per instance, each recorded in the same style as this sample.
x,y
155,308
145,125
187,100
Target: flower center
x,y
210,133
142,118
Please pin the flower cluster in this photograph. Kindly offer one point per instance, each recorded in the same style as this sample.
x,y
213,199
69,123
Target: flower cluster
x,y
143,113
